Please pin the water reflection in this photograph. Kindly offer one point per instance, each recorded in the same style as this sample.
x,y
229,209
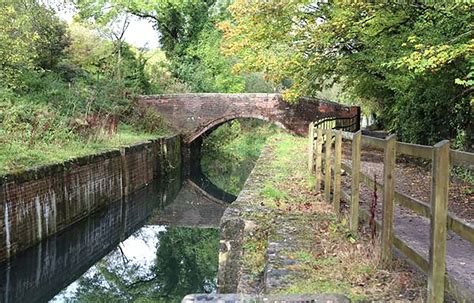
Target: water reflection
x,y
229,152
118,273
205,184
146,247
156,264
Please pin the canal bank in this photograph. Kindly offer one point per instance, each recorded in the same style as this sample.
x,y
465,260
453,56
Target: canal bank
x,y
38,203
279,237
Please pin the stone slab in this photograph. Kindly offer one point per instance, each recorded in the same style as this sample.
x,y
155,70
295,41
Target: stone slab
x,y
230,298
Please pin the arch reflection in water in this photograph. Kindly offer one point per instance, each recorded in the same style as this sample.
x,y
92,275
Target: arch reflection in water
x,y
229,152
203,183
160,243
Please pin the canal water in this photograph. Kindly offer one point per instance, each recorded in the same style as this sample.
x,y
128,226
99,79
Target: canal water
x,y
157,245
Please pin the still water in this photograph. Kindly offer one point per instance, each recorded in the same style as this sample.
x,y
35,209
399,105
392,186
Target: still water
x,y
157,245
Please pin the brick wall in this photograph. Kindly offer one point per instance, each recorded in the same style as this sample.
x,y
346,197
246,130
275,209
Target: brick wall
x,y
138,162
38,203
39,272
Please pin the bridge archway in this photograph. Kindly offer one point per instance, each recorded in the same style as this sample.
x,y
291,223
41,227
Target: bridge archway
x,y
213,125
194,115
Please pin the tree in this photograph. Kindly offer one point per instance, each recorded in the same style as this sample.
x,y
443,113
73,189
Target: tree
x,y
405,60
204,66
17,54
178,21
187,261
188,37
32,39
157,68
88,50
52,35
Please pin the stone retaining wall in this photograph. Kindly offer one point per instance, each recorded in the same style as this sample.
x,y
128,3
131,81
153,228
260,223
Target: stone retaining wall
x,y
38,203
236,225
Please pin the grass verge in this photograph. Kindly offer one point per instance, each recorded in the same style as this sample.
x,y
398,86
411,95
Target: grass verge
x,y
17,155
323,255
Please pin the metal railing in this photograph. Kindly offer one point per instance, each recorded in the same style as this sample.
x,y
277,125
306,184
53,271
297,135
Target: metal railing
x,y
350,124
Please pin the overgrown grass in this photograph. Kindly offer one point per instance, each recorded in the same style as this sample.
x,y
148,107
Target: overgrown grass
x,y
17,154
39,129
269,191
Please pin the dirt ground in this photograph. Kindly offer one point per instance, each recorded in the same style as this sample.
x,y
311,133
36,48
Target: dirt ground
x,y
413,177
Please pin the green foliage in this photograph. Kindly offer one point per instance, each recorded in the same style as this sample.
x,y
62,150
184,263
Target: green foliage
x,y
62,145
32,38
412,63
179,22
197,59
52,36
88,51
255,83
269,191
189,38
65,87
205,68
466,175
147,119
157,68
187,261
17,53
255,248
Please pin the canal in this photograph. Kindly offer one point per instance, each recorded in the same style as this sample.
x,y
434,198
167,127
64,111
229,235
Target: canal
x,y
156,245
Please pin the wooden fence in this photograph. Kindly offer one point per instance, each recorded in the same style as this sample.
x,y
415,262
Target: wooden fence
x,y
442,158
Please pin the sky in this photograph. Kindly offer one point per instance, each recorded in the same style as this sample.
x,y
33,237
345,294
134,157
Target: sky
x,y
140,32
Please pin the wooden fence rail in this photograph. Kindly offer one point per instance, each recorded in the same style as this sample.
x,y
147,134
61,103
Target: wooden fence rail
x,y
442,158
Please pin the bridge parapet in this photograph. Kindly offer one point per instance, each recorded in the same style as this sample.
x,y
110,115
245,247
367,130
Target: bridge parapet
x,y
196,114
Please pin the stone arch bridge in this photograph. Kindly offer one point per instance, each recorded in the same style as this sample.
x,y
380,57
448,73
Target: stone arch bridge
x,y
195,115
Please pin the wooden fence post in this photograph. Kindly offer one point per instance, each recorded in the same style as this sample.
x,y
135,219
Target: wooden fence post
x,y
327,166
439,213
337,171
388,195
355,185
319,148
311,148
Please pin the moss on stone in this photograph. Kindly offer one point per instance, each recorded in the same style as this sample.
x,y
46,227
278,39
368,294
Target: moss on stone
x,y
299,244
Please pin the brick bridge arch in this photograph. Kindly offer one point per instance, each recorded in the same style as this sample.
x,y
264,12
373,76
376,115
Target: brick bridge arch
x,y
193,115
212,125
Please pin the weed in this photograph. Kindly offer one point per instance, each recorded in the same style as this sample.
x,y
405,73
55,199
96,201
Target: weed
x,y
269,191
255,246
464,174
